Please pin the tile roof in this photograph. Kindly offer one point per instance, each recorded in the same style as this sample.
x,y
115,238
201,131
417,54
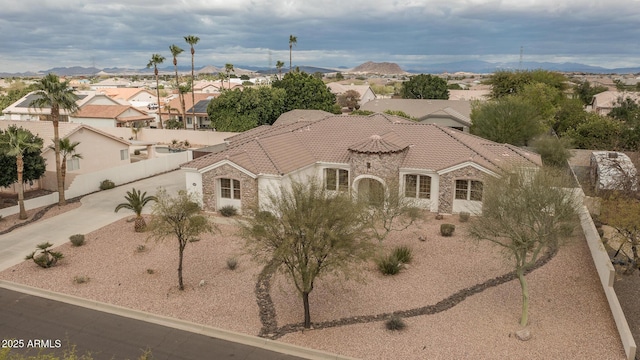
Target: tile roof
x,y
188,103
420,109
123,93
44,129
283,148
301,115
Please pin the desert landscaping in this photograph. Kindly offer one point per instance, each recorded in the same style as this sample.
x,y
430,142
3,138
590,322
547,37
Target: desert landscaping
x,y
569,314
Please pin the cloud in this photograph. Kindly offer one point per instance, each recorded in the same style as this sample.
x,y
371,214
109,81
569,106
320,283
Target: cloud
x,y
48,33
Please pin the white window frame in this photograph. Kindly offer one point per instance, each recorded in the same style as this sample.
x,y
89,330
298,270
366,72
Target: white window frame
x,y
416,193
233,189
470,188
124,154
73,164
341,182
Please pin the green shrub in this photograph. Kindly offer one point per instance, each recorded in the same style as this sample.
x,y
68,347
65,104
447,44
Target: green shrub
x,y
228,210
150,271
81,279
389,265
447,229
141,248
46,258
403,253
107,184
77,239
464,216
232,263
395,323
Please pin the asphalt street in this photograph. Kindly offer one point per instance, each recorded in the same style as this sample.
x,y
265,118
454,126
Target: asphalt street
x,y
25,318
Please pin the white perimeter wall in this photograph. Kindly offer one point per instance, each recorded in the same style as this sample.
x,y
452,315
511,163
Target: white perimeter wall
x,y
165,136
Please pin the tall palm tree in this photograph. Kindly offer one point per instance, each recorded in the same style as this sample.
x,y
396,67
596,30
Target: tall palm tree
x,y
16,141
192,40
157,59
279,65
67,151
228,68
136,200
57,95
175,51
293,40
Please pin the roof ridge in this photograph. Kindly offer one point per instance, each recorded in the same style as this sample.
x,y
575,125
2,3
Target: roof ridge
x,y
465,145
266,153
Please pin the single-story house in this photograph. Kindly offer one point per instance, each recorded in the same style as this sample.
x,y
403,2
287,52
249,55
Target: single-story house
x,y
365,91
99,150
455,114
611,170
602,103
173,110
441,168
111,116
136,97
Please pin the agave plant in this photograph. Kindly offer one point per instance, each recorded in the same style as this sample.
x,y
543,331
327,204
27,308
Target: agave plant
x,y
136,200
45,258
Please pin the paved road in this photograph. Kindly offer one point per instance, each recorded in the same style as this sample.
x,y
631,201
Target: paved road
x,y
107,336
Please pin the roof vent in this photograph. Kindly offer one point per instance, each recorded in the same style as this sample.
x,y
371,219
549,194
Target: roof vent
x,y
612,155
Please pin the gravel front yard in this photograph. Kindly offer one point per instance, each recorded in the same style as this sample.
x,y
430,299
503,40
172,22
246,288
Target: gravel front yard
x,y
569,314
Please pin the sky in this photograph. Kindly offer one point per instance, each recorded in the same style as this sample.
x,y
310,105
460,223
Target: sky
x,y
41,34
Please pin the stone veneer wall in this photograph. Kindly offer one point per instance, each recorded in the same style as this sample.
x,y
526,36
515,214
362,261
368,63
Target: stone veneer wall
x,y
248,187
385,166
448,185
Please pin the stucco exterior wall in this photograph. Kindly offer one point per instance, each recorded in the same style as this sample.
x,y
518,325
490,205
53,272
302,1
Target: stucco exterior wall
x,y
447,185
211,193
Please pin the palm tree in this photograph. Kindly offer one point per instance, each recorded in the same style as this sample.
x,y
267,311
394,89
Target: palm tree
x,y
228,68
58,96
16,141
279,65
136,200
175,51
293,40
192,40
67,151
157,59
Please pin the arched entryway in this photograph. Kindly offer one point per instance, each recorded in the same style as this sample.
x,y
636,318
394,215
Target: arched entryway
x,y
370,190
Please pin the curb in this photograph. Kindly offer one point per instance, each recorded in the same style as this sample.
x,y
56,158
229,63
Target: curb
x,y
250,340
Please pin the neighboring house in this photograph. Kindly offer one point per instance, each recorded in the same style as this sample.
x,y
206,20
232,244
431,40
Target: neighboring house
x,y
21,111
365,91
301,115
215,87
133,96
605,101
99,150
441,168
612,170
101,116
111,83
470,95
202,102
451,113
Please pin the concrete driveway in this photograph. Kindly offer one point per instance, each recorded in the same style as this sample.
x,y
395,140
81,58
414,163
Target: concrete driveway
x,y
97,210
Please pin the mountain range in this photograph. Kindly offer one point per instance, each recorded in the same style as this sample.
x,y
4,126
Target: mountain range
x,y
471,66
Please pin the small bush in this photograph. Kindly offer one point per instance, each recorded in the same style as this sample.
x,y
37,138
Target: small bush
x,y
187,143
46,258
136,152
395,323
80,279
141,248
232,263
107,184
464,216
439,217
77,239
447,229
389,265
228,210
150,271
404,254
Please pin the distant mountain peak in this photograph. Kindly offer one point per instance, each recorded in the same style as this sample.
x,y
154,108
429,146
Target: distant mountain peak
x,y
371,67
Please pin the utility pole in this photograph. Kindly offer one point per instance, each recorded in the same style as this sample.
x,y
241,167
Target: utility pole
x,y
521,53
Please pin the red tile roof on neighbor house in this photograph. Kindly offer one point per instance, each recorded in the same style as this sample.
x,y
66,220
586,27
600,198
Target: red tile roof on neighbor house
x,y
284,148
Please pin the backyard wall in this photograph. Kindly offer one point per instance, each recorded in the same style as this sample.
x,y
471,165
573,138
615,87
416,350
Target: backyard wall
x,y
86,183
607,274
165,136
